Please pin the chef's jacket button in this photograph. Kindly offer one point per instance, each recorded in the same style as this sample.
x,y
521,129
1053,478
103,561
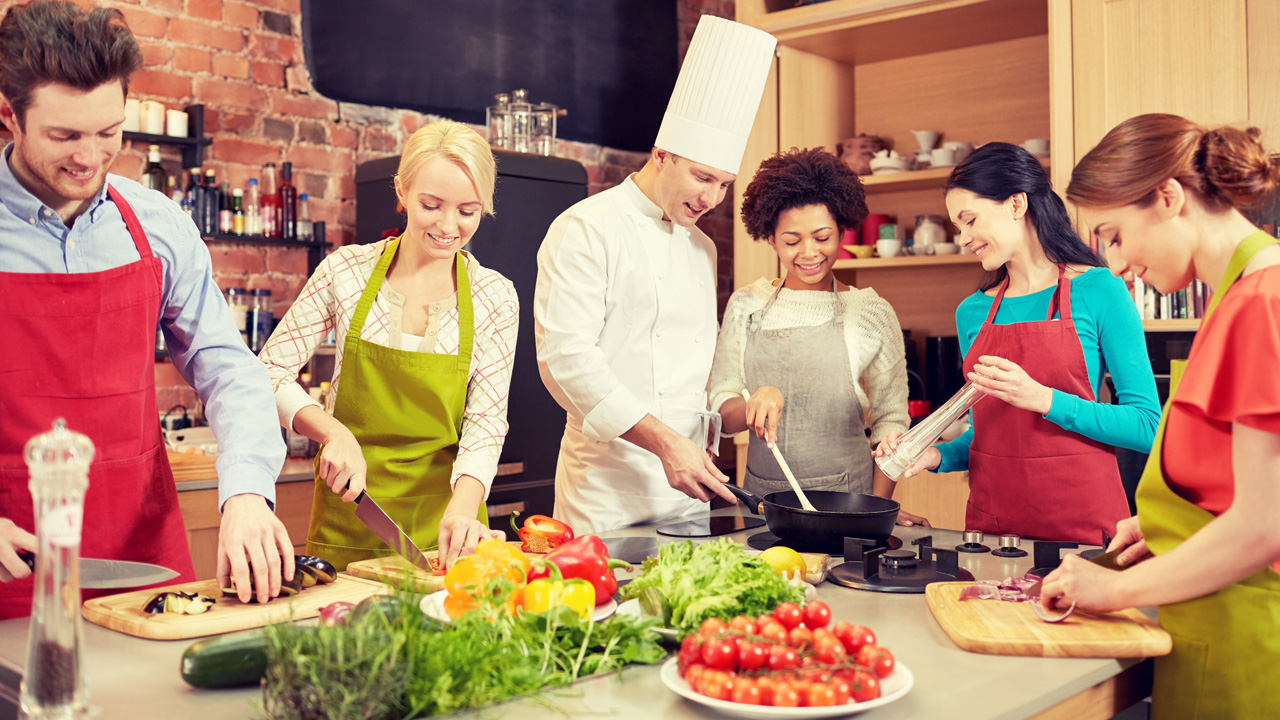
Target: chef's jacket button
x,y
658,334
662,392
432,331
697,340
660,276
33,220
71,244
435,308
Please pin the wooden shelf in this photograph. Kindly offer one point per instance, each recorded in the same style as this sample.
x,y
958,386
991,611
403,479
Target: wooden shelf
x,y
856,32
1177,325
906,261
192,147
913,179
261,240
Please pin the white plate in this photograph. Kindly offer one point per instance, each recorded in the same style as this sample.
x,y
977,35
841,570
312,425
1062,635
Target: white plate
x,y
433,606
632,607
891,688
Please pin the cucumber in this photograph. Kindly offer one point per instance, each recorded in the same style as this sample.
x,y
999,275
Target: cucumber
x,y
226,661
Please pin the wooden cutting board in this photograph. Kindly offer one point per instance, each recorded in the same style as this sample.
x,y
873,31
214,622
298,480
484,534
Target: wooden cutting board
x,y
187,466
123,612
393,570
996,627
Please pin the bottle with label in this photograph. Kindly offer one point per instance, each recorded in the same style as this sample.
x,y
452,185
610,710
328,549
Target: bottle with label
x,y
154,177
288,204
212,204
237,212
226,214
195,193
174,193
261,321
252,214
270,202
53,685
238,301
304,218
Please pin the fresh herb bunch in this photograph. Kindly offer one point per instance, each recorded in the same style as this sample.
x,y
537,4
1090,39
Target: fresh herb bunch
x,y
712,579
392,661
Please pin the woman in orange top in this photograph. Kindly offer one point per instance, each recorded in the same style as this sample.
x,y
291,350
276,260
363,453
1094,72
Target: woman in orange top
x,y
1161,194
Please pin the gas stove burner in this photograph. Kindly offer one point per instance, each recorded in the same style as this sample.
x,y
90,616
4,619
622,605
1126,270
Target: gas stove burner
x,y
972,543
896,571
766,540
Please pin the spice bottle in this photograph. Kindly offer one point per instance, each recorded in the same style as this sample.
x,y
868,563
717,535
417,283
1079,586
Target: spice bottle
x,y
238,301
260,318
54,685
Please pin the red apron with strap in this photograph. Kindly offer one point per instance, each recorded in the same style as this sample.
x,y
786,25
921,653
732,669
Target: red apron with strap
x,y
81,346
1027,475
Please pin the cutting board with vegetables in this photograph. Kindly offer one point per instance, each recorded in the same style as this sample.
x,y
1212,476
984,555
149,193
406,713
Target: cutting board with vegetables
x,y
393,570
124,612
995,627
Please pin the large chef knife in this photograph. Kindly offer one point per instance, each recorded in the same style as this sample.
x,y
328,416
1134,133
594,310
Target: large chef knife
x,y
96,574
384,527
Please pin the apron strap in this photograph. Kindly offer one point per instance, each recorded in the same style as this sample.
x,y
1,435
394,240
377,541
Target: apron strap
x,y
131,222
466,314
371,290
1244,252
995,304
1061,302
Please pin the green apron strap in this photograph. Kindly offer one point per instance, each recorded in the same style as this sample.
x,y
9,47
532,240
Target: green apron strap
x,y
466,317
371,290
1245,251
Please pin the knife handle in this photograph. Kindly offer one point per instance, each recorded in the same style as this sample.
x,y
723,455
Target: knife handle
x,y
29,558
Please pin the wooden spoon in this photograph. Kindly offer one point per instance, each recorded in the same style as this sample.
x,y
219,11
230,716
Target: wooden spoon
x,y
786,470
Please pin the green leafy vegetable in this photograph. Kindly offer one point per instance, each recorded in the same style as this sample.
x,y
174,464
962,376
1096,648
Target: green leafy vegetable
x,y
711,579
394,662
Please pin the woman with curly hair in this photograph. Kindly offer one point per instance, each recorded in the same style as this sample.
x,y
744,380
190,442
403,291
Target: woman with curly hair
x,y
819,358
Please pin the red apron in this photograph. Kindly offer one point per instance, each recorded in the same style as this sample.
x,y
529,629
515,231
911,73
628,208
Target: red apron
x,y
1028,476
80,346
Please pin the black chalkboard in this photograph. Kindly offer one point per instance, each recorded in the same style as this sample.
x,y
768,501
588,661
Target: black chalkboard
x,y
612,63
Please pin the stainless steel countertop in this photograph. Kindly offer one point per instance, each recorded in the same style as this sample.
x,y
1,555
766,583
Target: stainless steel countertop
x,y
133,678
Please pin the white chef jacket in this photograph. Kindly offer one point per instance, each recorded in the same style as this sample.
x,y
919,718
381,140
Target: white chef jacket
x,y
625,323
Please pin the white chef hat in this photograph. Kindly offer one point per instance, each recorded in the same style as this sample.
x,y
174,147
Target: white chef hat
x,y
717,94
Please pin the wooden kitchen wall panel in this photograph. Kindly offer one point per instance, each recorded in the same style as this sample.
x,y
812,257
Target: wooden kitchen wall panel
x,y
1143,56
997,91
924,298
753,259
940,498
1264,70
814,107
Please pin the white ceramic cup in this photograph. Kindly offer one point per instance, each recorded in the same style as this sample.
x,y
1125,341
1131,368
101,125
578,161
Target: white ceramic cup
x,y
888,248
1037,146
175,123
945,248
943,157
926,138
131,112
961,148
151,117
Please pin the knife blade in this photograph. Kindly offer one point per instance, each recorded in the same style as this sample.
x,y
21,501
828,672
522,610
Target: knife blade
x,y
98,574
377,520
1106,560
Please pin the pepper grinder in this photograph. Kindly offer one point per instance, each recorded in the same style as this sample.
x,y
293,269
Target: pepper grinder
x,y
54,684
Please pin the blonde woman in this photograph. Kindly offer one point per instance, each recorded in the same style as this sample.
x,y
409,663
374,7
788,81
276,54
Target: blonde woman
x,y
417,411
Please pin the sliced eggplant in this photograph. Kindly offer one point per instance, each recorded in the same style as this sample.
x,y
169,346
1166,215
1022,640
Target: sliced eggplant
x,y
309,578
324,571
178,602
288,588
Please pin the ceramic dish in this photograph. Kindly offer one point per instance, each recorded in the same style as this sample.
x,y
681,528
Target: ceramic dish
x,y
893,687
433,606
632,607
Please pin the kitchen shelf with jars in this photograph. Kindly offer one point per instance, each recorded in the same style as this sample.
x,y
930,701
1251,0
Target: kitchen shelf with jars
x,y
190,140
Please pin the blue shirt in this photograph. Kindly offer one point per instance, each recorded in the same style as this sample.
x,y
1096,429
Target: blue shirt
x,y
1112,339
203,342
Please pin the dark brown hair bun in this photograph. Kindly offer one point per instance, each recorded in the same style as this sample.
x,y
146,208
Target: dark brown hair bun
x,y
1237,166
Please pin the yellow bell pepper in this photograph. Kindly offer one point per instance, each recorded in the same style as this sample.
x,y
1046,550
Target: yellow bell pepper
x,y
546,593
468,579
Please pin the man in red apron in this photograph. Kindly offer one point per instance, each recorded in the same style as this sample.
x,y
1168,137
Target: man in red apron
x,y
89,265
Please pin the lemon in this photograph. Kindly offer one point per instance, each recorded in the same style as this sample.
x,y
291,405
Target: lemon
x,y
784,561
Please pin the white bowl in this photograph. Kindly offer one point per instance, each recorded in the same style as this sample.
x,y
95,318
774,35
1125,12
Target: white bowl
x,y
945,248
888,248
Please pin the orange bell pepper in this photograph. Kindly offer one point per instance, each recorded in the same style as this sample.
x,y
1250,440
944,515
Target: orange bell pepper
x,y
469,581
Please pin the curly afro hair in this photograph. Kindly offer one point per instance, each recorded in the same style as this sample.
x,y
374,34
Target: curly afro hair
x,y
799,178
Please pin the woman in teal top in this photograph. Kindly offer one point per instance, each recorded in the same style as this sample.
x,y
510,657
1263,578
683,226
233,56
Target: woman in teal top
x,y
1047,322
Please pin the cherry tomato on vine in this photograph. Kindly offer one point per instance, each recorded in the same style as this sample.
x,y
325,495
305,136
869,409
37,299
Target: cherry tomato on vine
x,y
720,653
785,695
746,691
816,615
782,657
821,695
774,632
878,659
800,637
752,656
742,623
854,637
712,626
789,614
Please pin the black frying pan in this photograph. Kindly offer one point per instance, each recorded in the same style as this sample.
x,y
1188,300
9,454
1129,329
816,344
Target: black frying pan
x,y
838,515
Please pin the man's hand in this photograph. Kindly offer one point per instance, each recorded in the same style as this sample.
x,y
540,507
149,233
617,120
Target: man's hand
x,y
690,470
12,539
253,540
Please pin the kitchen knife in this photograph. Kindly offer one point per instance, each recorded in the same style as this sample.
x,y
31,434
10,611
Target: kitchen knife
x,y
1106,560
96,574
385,528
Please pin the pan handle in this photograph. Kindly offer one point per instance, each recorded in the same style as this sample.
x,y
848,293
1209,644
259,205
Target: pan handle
x,y
753,503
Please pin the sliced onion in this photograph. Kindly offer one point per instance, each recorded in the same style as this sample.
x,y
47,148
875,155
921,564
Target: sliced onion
x,y
1048,616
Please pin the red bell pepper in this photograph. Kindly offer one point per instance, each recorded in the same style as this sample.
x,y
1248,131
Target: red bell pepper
x,y
540,533
585,558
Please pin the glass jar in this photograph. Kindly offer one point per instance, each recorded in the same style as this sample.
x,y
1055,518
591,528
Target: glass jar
x,y
930,230
521,122
238,301
260,320
53,685
543,132
498,122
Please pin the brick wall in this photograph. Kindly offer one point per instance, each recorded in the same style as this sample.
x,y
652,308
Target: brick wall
x,y
243,60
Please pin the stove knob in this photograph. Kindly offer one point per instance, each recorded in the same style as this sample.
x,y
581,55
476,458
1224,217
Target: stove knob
x,y
1010,547
972,543
972,537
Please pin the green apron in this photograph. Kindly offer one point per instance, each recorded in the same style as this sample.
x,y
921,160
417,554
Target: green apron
x,y
405,409
1225,644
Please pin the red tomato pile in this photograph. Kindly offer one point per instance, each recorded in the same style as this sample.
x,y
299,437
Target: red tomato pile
x,y
787,659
